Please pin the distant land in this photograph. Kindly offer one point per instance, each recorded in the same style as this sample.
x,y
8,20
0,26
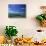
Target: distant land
x,y
12,15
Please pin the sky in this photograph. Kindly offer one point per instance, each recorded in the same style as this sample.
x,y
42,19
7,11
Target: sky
x,y
17,8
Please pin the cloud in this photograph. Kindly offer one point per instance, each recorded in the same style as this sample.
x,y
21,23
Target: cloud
x,y
22,8
15,12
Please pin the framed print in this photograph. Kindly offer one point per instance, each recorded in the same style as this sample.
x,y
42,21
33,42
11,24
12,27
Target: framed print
x,y
16,10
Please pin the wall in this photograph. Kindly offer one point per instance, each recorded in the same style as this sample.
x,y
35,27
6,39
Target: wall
x,y
25,26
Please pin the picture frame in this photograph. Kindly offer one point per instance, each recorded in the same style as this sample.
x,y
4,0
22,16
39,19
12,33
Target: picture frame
x,y
17,10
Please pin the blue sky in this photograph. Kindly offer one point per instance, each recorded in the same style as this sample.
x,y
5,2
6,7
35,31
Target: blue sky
x,y
17,8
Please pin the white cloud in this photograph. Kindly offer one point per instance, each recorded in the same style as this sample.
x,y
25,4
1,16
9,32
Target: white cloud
x,y
22,8
15,12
